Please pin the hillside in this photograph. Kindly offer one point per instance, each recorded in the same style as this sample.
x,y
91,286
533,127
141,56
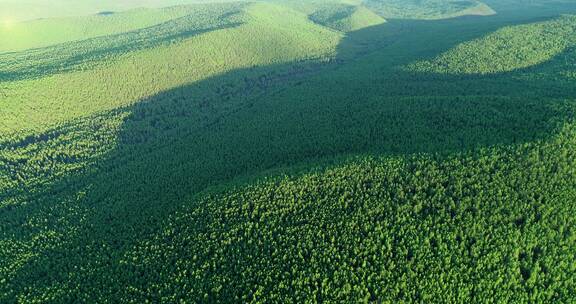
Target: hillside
x,y
144,62
346,18
288,151
428,9
45,32
507,49
424,224
13,11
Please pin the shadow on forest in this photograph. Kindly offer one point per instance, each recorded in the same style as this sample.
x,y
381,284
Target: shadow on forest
x,y
180,142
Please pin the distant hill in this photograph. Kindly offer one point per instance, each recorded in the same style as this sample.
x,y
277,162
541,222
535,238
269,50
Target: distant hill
x,y
346,18
507,49
17,10
428,9
45,32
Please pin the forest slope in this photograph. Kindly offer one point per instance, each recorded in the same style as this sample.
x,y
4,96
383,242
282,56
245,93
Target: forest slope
x,y
428,9
145,62
508,49
346,18
45,32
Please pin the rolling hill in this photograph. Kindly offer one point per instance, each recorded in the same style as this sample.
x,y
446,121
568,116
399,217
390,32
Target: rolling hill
x,y
46,32
428,9
499,51
346,18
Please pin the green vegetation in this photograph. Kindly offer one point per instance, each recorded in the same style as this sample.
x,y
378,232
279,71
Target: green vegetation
x,y
508,49
346,18
428,9
392,229
290,151
45,32
13,11
123,69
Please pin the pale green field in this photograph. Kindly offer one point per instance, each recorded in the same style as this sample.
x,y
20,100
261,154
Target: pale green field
x,y
12,11
45,32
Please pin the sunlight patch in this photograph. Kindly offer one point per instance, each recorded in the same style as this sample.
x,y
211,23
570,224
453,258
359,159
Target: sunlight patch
x,y
7,23
508,49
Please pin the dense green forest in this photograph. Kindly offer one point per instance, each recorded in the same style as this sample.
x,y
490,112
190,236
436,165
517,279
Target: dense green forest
x,y
507,49
288,151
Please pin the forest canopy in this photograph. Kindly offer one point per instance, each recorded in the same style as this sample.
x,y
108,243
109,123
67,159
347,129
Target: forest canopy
x,y
288,151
